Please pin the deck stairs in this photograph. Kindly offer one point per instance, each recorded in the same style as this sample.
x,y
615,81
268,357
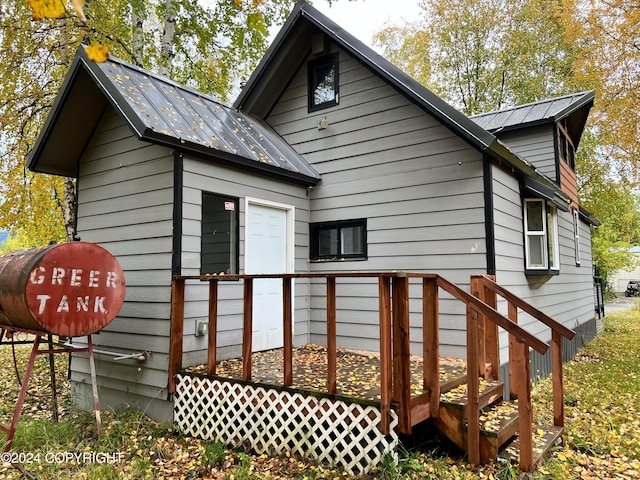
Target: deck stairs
x,y
498,422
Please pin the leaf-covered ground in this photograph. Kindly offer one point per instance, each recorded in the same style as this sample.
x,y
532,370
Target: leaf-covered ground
x,y
602,438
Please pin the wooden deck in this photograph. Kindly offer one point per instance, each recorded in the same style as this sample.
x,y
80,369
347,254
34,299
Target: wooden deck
x,y
414,389
357,372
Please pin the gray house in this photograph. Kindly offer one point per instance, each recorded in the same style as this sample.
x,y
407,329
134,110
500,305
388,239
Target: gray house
x,y
331,159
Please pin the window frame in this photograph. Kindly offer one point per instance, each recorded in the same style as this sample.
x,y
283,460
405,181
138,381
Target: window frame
x,y
234,231
576,235
547,238
566,149
339,226
312,81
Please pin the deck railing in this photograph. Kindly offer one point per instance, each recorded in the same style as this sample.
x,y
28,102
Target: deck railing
x,y
483,321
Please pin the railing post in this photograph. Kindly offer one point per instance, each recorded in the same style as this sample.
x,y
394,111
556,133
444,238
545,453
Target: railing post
x,y
477,290
491,336
287,329
558,381
401,353
489,348
521,376
176,331
384,296
212,341
247,329
331,336
431,344
513,373
473,386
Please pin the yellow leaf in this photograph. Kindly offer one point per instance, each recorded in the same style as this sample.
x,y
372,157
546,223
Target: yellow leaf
x,y
78,6
46,8
97,52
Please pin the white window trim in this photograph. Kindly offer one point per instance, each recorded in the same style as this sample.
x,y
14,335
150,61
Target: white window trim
x,y
554,263
576,233
529,235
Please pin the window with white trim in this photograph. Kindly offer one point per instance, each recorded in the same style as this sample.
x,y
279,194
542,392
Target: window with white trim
x,y
576,234
541,236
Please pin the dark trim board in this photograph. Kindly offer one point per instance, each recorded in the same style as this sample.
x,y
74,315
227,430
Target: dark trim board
x,y
490,236
176,260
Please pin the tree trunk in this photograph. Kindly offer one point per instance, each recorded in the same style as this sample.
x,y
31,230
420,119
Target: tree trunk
x,y
168,35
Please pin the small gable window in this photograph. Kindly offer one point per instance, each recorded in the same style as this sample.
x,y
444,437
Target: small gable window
x,y
341,240
566,149
323,82
541,237
219,238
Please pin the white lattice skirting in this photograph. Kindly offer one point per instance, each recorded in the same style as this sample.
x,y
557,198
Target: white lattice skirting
x,y
269,421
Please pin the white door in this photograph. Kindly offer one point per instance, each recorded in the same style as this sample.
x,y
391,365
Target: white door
x,y
266,252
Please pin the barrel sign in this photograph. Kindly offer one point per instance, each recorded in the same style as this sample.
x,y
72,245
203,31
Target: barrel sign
x,y
70,289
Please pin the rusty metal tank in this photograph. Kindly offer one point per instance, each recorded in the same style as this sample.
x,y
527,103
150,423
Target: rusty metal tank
x,y
68,289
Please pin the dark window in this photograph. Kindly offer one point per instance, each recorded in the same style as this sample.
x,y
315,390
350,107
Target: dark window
x,y
219,239
323,82
566,150
340,240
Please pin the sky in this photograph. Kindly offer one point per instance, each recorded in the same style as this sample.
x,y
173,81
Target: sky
x,y
363,18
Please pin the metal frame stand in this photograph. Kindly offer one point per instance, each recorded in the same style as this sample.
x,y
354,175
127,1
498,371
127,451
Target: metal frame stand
x,y
35,350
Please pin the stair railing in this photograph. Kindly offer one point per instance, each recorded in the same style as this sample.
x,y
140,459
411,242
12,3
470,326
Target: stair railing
x,y
488,361
476,308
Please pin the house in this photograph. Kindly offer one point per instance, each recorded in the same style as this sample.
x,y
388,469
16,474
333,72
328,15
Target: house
x,y
621,278
330,159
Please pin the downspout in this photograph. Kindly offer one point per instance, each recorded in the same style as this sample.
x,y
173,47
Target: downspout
x,y
178,181
489,226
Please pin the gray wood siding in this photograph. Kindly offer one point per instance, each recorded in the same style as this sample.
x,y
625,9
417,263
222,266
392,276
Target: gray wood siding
x,y
567,297
125,194
419,186
200,175
535,145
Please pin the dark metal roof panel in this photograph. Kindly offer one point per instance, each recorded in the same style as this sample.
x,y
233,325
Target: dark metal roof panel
x,y
187,117
161,111
545,111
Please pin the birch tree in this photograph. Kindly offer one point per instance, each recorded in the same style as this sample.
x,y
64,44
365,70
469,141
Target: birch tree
x,y
182,39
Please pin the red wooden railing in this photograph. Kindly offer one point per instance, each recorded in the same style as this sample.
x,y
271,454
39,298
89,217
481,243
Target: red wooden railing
x,y
483,321
484,287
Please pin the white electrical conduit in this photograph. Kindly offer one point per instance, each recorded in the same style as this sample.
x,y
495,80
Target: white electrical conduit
x,y
140,356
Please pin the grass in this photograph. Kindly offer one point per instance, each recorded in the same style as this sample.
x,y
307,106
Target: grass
x,y
602,438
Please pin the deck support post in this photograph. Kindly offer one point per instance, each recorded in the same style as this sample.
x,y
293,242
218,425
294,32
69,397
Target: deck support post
x,y
176,331
247,329
473,386
287,329
401,353
384,296
212,338
431,344
558,381
331,336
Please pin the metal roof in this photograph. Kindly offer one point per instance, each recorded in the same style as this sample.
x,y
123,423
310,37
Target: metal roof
x,y
161,111
292,46
551,110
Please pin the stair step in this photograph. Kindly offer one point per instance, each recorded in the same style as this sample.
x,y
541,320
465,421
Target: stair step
x,y
490,393
499,421
544,438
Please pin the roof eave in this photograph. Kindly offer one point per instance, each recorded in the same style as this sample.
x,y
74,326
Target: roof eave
x,y
228,158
